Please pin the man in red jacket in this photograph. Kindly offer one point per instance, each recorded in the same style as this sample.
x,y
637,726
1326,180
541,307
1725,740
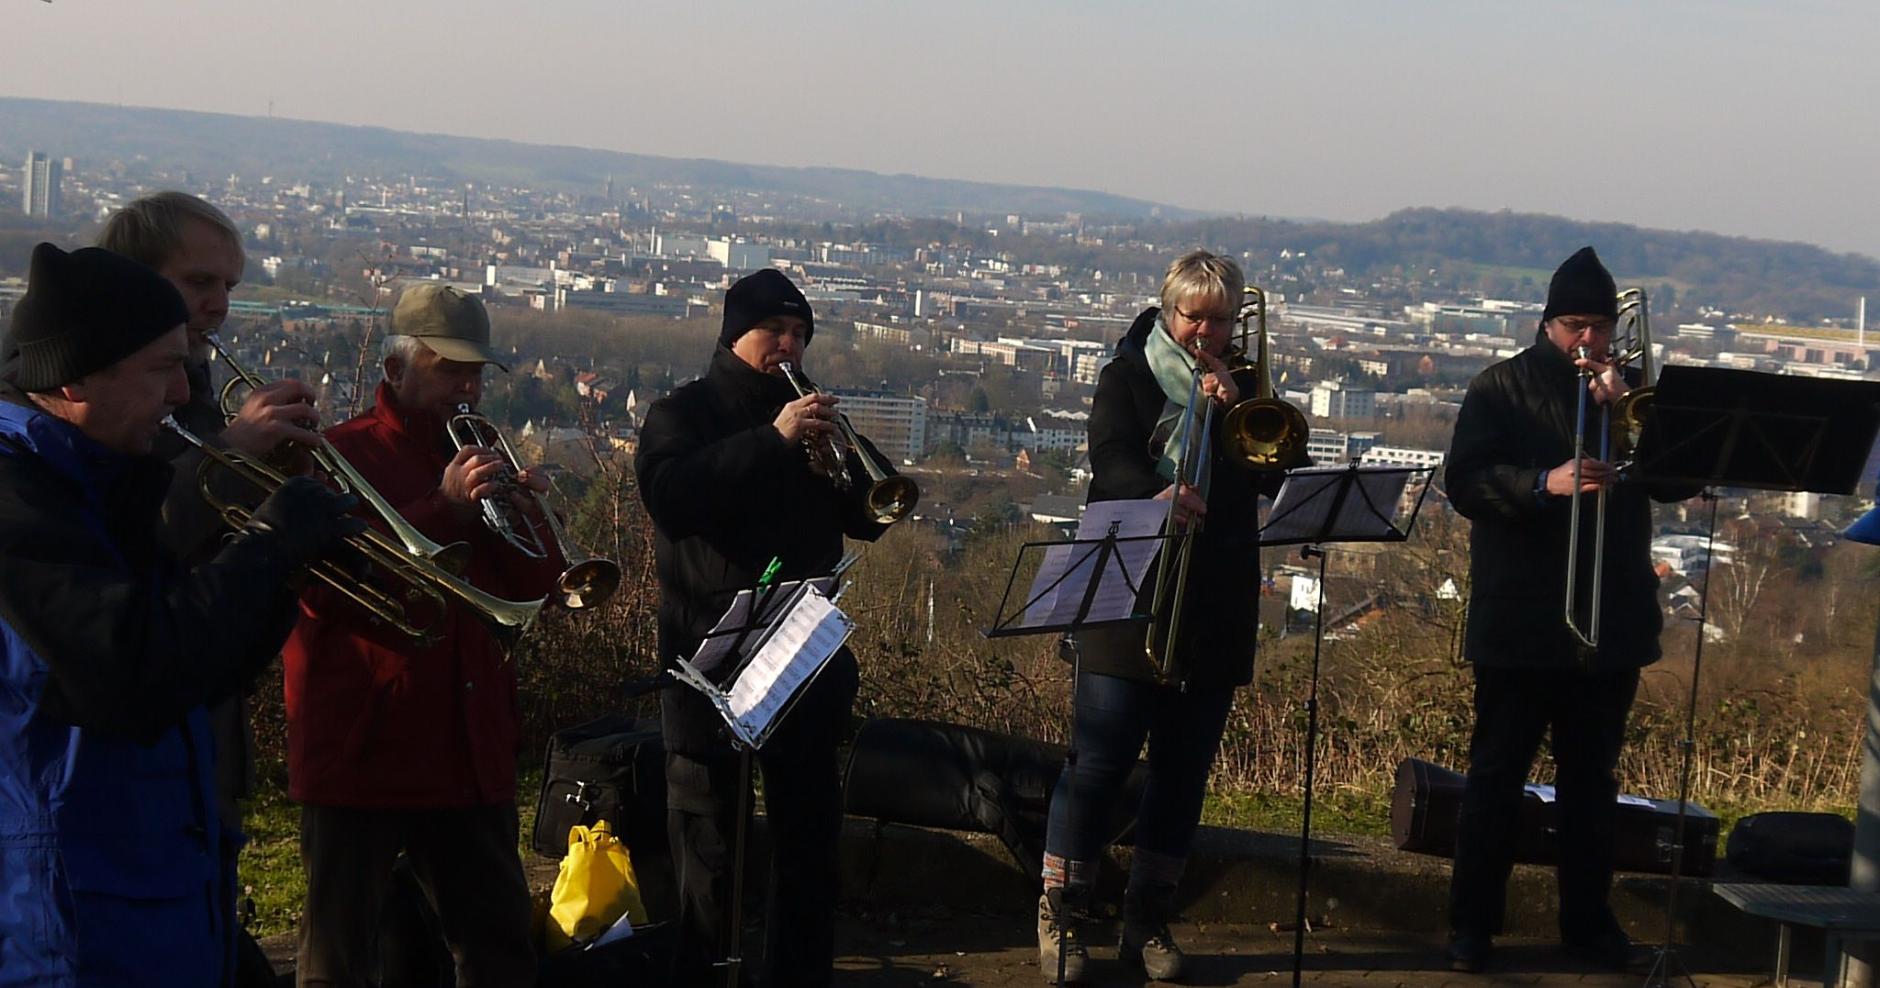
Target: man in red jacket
x,y
400,745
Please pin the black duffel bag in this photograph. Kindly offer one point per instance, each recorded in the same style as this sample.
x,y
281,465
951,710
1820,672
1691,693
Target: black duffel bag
x,y
1794,848
952,777
611,769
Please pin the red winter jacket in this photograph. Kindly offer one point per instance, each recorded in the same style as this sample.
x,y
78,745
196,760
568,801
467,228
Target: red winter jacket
x,y
376,720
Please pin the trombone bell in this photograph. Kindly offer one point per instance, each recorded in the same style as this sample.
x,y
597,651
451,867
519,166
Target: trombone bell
x,y
1264,432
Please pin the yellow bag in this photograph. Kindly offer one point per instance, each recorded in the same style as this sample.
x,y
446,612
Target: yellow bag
x,y
595,886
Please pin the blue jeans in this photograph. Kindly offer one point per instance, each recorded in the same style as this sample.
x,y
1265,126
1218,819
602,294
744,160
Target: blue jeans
x,y
1112,718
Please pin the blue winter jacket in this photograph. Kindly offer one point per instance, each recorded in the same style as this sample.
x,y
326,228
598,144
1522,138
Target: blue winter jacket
x,y
114,869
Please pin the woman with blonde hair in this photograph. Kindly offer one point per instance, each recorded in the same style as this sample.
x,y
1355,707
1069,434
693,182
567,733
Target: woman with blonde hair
x,y
1122,698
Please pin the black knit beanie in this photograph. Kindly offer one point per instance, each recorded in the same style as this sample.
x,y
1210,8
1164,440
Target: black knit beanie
x,y
758,296
1582,287
83,312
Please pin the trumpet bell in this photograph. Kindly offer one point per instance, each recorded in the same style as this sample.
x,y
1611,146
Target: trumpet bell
x,y
1265,433
892,499
588,583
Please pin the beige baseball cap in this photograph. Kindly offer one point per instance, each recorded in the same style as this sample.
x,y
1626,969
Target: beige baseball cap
x,y
449,320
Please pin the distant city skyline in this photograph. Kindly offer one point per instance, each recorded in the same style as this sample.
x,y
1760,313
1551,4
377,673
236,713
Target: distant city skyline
x,y
1736,117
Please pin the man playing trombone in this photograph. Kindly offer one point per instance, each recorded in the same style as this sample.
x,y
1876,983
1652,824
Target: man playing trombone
x,y
1512,471
734,495
117,867
1171,685
398,743
197,248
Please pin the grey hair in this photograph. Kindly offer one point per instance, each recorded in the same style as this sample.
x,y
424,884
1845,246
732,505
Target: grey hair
x,y
1204,274
405,348
149,230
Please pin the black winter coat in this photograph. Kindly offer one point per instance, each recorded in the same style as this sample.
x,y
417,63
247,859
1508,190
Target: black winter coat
x,y
1516,421
727,494
1221,615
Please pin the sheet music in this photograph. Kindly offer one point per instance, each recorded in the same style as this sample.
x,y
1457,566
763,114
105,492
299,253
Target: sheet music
x,y
800,643
718,643
1302,511
1075,564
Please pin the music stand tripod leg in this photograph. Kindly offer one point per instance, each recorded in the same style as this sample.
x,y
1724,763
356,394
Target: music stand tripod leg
x,y
1668,964
1312,733
1070,807
734,957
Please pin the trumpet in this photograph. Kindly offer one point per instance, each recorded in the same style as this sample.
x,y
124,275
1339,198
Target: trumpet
x,y
890,497
420,590
588,580
451,558
1620,426
1263,432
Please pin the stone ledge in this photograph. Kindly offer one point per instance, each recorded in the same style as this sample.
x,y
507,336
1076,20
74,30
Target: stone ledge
x,y
1243,877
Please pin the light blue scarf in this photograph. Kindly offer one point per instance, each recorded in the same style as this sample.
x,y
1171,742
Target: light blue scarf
x,y
1174,370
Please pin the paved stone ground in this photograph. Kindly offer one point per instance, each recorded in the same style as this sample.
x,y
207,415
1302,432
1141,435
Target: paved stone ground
x,y
941,947
973,949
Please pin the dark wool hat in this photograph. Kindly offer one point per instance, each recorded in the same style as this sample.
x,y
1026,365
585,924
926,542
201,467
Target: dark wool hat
x,y
83,312
1582,287
758,296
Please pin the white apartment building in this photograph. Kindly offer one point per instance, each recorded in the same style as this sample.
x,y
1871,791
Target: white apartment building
x,y
1401,456
1337,399
738,255
896,424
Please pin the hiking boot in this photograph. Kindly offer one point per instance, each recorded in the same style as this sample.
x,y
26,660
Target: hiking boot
x,y
1468,952
1156,951
1057,925
1146,939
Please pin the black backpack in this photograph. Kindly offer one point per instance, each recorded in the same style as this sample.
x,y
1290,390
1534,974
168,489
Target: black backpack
x,y
611,769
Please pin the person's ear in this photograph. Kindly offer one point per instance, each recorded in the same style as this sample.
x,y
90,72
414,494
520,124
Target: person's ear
x,y
394,370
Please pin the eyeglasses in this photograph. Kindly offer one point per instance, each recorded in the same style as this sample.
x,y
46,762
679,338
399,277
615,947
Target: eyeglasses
x,y
1207,318
1580,324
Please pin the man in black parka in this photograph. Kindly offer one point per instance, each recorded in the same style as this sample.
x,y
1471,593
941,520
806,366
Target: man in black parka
x,y
1511,473
724,474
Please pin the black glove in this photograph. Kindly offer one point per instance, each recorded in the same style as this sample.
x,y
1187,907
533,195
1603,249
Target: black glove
x,y
304,517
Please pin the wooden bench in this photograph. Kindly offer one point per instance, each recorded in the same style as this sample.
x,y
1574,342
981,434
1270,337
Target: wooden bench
x,y
1840,913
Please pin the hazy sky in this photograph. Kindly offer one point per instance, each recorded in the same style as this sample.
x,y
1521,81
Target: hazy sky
x,y
1761,119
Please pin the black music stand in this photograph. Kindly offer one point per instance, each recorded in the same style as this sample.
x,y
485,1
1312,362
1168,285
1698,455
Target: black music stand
x,y
1729,428
752,622
1317,506
1080,584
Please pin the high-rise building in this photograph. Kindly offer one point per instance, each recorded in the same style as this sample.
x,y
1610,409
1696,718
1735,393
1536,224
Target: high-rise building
x,y
41,183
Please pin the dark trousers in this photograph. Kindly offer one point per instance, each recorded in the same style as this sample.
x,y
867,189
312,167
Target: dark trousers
x,y
468,864
1585,714
1114,715
803,812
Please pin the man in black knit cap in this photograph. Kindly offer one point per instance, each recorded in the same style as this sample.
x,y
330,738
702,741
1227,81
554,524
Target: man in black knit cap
x,y
118,869
724,475
1510,471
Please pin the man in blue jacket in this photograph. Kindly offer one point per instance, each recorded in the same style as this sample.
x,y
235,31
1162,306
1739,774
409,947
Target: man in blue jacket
x,y
112,869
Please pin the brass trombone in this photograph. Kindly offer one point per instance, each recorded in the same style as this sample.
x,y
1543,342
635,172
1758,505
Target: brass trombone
x,y
890,497
588,580
451,558
1620,425
419,583
1174,561
1263,432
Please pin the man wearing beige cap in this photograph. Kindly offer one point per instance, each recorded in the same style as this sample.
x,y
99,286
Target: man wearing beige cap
x,y
400,745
